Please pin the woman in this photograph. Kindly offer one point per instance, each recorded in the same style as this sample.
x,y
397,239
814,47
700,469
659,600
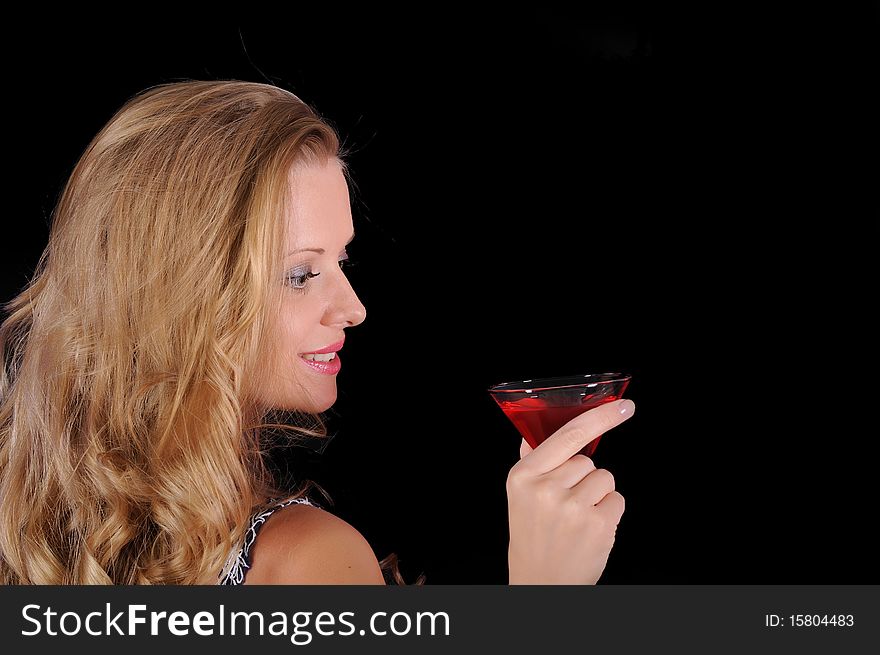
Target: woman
x,y
193,272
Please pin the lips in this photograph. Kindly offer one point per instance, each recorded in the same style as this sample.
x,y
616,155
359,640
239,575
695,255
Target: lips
x,y
332,348
328,368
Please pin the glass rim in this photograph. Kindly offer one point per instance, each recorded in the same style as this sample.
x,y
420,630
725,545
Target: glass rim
x,y
559,382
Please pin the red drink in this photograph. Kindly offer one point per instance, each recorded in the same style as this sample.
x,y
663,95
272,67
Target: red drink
x,y
536,421
538,408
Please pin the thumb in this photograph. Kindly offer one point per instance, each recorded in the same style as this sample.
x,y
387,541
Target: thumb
x,y
524,449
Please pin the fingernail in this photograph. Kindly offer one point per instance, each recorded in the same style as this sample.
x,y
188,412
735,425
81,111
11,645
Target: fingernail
x,y
626,407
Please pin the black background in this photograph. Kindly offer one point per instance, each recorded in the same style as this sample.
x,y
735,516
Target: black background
x,y
547,193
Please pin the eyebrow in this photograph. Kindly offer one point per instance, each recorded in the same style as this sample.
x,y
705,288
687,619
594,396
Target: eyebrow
x,y
320,251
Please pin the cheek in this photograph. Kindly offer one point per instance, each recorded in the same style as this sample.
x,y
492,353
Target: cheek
x,y
287,338
293,333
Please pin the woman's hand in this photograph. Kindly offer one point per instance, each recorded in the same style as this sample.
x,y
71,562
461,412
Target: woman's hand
x,y
563,511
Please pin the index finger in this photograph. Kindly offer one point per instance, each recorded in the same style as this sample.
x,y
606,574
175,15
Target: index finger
x,y
560,446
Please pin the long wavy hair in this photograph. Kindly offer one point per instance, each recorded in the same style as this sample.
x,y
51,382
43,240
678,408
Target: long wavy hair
x,y
133,446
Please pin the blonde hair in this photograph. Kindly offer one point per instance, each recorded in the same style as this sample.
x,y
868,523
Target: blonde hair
x,y
132,443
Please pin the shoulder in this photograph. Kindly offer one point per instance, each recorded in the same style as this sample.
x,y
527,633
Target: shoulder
x,y
302,544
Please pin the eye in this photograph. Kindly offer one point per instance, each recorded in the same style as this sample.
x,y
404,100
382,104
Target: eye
x,y
299,281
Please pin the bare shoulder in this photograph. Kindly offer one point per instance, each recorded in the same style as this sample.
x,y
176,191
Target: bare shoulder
x,y
303,544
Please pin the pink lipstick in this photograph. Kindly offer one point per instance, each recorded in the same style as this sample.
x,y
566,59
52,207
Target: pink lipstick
x,y
326,360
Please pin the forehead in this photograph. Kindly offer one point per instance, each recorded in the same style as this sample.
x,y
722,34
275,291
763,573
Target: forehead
x,y
318,203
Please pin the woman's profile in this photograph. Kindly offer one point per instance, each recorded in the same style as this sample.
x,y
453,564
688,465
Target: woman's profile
x,y
193,285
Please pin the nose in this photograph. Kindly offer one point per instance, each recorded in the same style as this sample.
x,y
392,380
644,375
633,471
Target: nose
x,y
347,309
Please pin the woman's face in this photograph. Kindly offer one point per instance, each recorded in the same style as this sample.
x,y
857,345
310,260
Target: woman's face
x,y
318,302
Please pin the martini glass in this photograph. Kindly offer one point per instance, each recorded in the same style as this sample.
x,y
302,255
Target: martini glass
x,y
538,408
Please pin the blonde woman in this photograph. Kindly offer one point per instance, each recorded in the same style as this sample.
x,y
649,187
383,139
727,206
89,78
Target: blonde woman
x,y
193,283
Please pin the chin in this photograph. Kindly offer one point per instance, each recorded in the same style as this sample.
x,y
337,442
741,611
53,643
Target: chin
x,y
316,405
322,407
313,399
